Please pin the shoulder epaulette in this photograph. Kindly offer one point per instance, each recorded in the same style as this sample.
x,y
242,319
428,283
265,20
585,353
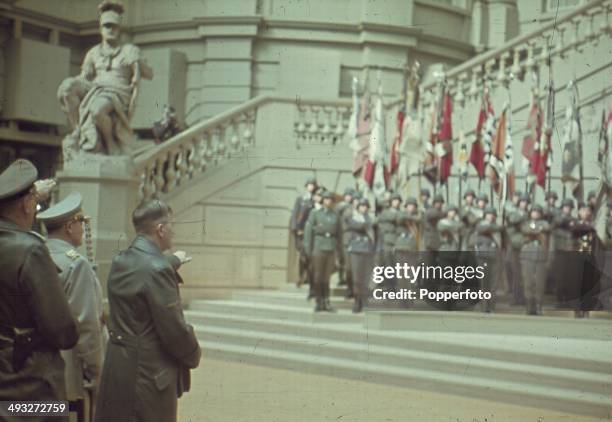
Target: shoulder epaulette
x,y
72,254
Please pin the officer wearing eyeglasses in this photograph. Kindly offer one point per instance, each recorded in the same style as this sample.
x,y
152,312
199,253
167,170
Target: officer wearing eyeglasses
x,y
65,222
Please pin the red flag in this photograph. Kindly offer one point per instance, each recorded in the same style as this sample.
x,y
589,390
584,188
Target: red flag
x,y
397,141
541,158
445,135
430,165
477,153
497,172
530,142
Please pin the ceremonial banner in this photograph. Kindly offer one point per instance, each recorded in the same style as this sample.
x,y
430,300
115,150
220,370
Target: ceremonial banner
x,y
482,144
445,136
571,172
376,172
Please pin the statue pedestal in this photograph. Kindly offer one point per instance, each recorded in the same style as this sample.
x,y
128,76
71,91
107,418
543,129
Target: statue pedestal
x,y
109,188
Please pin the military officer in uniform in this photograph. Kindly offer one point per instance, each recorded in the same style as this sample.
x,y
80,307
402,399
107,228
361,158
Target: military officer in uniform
x,y
407,241
470,219
35,319
514,220
151,347
564,247
450,230
360,228
587,272
387,221
323,245
431,238
345,209
488,247
301,208
482,200
64,223
534,255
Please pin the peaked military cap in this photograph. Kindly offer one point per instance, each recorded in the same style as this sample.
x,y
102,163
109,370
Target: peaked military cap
x,y
483,197
552,194
364,201
537,208
411,201
17,178
425,192
63,211
568,202
395,196
451,208
525,198
490,210
438,198
469,192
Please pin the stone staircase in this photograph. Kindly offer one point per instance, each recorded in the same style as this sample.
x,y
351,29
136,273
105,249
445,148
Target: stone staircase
x,y
547,362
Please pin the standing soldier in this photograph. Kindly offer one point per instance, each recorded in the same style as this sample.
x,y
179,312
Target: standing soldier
x,y
64,222
534,254
151,348
431,239
585,294
360,227
514,220
488,247
301,208
344,209
470,219
564,245
482,200
550,213
323,245
408,237
387,221
35,319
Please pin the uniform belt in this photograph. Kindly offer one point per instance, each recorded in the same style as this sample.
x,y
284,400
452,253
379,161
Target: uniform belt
x,y
8,331
326,234
128,340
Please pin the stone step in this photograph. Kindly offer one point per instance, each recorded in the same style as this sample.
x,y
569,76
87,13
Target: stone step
x,y
521,393
574,354
580,382
281,312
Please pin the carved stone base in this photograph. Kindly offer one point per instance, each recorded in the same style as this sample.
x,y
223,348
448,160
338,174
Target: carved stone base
x,y
110,193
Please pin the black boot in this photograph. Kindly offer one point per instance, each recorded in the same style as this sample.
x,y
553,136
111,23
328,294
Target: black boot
x,y
320,306
538,307
531,307
357,306
327,306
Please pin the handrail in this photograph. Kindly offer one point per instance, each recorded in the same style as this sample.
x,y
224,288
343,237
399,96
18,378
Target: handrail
x,y
229,115
484,58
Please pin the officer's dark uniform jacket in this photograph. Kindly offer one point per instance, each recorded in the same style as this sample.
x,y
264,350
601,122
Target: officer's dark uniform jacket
x,y
301,209
151,347
323,232
33,301
407,232
344,211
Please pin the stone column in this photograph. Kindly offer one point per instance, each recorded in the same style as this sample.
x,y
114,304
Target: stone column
x,y
110,193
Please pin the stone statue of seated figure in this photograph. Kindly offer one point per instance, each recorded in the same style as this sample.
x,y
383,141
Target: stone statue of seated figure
x,y
100,102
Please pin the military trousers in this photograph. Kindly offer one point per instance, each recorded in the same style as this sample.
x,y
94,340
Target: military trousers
x,y
348,270
323,265
389,260
490,260
514,276
534,279
361,265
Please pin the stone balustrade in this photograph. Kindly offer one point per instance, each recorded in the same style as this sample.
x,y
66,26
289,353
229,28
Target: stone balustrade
x,y
589,23
320,122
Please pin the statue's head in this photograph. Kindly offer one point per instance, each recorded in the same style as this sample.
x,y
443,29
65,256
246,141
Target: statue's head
x,y
111,15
